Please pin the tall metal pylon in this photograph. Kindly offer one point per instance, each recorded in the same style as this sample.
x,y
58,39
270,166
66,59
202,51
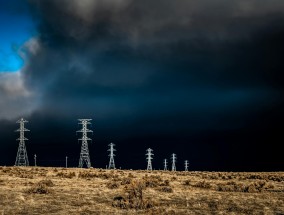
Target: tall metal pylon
x,y
165,164
186,165
149,158
174,159
22,156
111,155
84,155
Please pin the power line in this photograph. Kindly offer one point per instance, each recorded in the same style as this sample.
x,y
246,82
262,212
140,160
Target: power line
x,y
174,159
165,164
186,165
149,158
111,149
22,157
84,155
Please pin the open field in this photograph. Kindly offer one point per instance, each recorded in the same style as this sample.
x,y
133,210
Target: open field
x,y
41,190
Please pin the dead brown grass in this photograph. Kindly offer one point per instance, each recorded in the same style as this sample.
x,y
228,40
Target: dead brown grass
x,y
29,190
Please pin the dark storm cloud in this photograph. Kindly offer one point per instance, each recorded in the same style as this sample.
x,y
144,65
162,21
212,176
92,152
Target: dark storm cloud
x,y
134,55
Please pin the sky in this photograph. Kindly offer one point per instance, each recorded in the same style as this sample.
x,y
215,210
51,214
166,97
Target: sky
x,y
202,79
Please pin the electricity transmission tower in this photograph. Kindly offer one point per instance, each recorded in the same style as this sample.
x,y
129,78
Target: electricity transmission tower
x,y
174,159
84,155
165,164
22,157
149,158
186,165
111,149
35,159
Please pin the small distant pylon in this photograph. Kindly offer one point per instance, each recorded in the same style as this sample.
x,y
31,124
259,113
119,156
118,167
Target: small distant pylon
x,y
149,158
84,155
35,159
186,165
174,159
111,149
165,164
22,156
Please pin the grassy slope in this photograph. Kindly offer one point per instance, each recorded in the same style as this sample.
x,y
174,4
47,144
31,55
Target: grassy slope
x,y
95,191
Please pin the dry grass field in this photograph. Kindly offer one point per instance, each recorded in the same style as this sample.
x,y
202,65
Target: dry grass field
x,y
41,190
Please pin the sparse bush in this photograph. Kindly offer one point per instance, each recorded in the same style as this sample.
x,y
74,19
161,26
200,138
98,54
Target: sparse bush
x,y
203,184
47,182
166,189
113,185
42,187
87,175
119,202
151,181
103,176
26,175
213,205
66,174
125,181
2,182
186,182
134,197
165,183
253,187
130,175
269,186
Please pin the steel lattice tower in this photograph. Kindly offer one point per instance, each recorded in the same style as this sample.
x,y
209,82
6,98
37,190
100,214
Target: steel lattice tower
x,y
84,155
111,149
186,165
174,159
165,164
149,158
22,157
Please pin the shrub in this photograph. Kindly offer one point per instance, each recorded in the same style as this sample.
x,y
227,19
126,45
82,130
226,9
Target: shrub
x,y
151,181
119,202
174,178
166,189
103,176
112,185
2,182
130,175
134,198
42,187
66,175
203,184
125,181
253,187
186,182
47,182
87,175
165,183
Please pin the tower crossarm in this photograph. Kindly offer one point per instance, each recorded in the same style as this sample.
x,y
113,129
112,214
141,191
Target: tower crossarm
x,y
85,138
22,138
21,130
22,121
84,130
